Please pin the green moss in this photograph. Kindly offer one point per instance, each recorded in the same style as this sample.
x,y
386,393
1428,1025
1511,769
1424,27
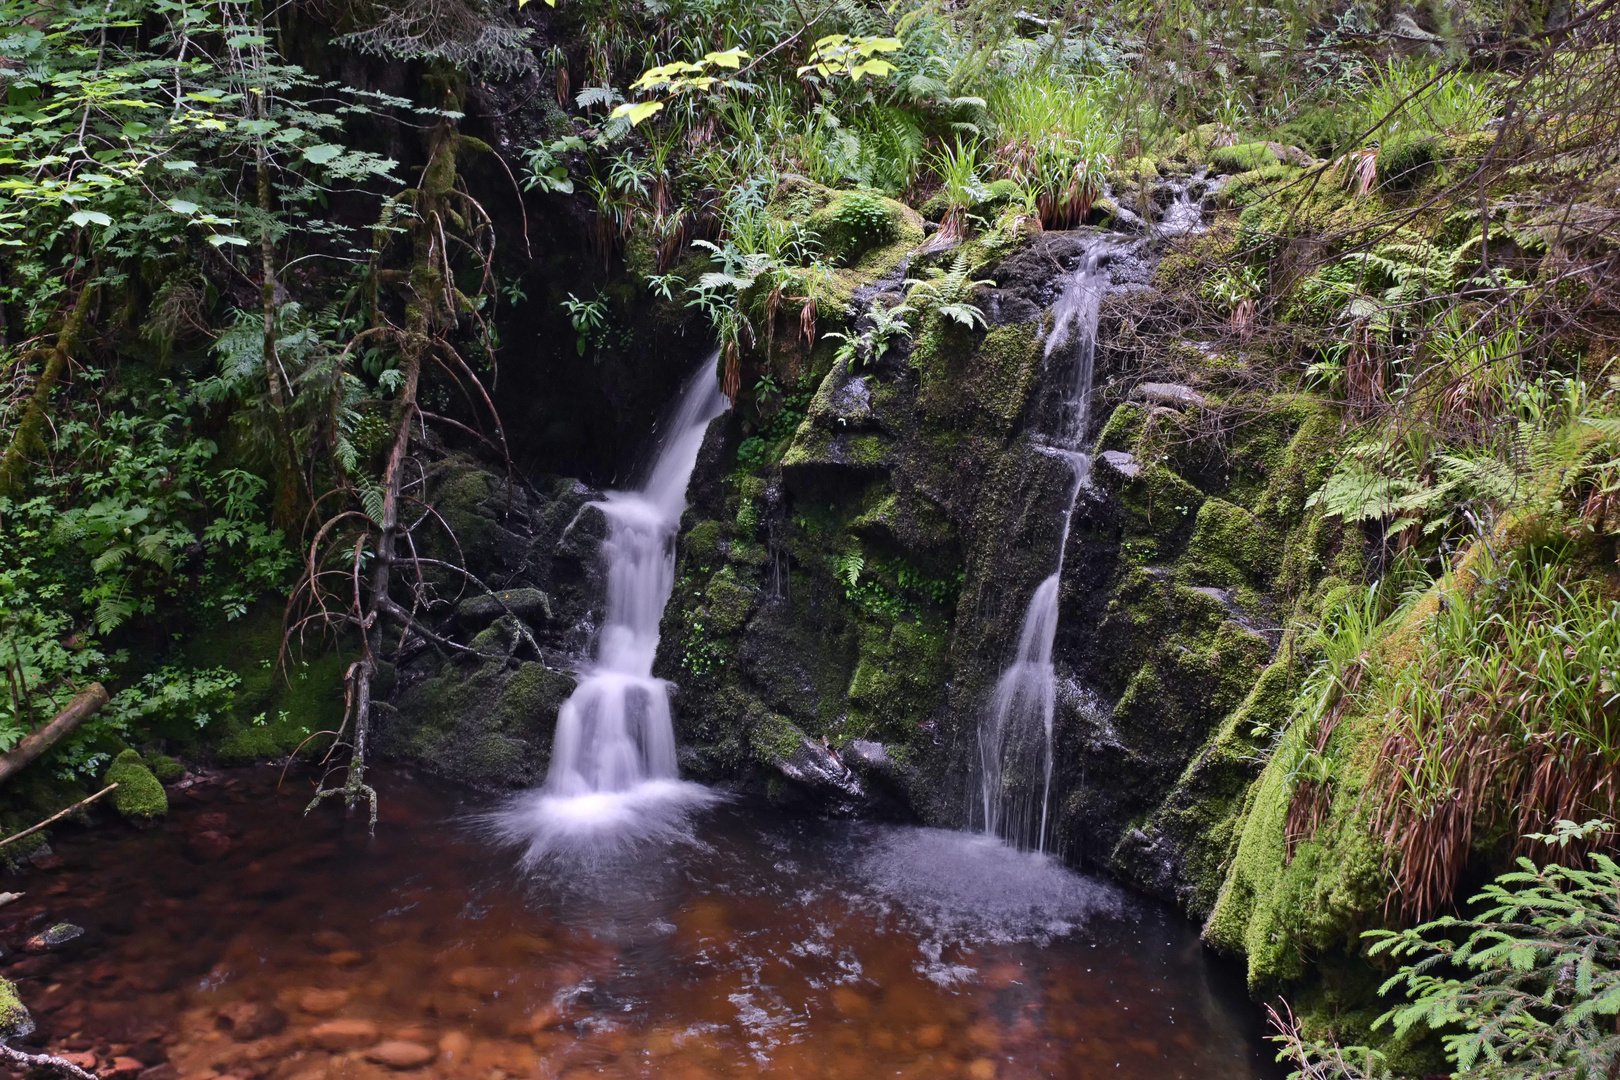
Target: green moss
x,y
1229,547
490,726
1279,911
702,542
459,500
273,711
774,739
1160,502
727,603
140,796
1405,165
1242,158
867,450
987,385
899,680
164,767
15,1021
1204,813
1124,428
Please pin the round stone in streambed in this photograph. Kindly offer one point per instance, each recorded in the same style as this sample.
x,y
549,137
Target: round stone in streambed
x,y
399,1054
340,1035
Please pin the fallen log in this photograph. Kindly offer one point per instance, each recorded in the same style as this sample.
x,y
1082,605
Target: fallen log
x,y
81,708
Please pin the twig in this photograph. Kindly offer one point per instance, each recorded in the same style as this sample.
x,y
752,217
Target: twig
x,y
58,816
45,1061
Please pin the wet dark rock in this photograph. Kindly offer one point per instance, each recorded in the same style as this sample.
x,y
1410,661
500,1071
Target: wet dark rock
x,y
530,605
43,858
806,763
1173,395
1122,464
53,938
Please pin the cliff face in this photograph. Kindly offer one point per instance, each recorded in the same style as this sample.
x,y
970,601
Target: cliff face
x,y
861,544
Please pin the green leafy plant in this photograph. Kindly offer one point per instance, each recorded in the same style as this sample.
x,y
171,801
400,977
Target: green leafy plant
x,y
1526,989
590,321
946,292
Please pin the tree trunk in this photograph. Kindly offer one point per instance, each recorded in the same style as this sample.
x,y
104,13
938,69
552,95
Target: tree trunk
x,y
28,437
80,709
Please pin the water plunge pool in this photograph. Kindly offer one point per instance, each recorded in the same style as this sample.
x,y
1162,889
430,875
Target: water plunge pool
x,y
240,939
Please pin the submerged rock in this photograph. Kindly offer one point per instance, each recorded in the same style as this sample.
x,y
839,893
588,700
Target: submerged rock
x,y
399,1054
245,1021
340,1035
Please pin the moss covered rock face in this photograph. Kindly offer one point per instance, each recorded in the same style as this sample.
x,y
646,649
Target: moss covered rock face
x,y
140,796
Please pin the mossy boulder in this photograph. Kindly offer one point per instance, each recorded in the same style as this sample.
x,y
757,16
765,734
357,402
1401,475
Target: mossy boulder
x,y
1160,503
530,605
1405,165
15,1020
140,796
853,223
488,725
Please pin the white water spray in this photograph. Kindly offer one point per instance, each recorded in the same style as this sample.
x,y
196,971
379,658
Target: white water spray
x,y
613,778
1015,734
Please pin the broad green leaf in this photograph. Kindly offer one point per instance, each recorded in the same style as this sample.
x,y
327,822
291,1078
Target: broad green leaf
x,y
89,217
220,239
182,206
320,155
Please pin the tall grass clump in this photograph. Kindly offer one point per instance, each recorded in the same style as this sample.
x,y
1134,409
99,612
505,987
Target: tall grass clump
x,y
1055,135
1509,709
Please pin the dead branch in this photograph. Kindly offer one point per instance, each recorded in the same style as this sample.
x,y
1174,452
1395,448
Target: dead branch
x,y
59,815
83,706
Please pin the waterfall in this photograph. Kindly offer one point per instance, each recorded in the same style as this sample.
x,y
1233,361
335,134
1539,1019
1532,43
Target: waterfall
x,y
613,777
1015,732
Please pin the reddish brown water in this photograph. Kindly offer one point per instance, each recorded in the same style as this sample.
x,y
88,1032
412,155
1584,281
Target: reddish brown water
x,y
240,939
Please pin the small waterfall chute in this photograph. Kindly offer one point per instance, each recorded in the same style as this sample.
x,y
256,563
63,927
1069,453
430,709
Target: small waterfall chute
x,y
1014,762
613,778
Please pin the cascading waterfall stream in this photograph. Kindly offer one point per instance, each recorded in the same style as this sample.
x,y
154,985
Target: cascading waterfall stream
x,y
613,777
1015,733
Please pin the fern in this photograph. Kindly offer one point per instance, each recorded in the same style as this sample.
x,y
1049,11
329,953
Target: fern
x,y
946,292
